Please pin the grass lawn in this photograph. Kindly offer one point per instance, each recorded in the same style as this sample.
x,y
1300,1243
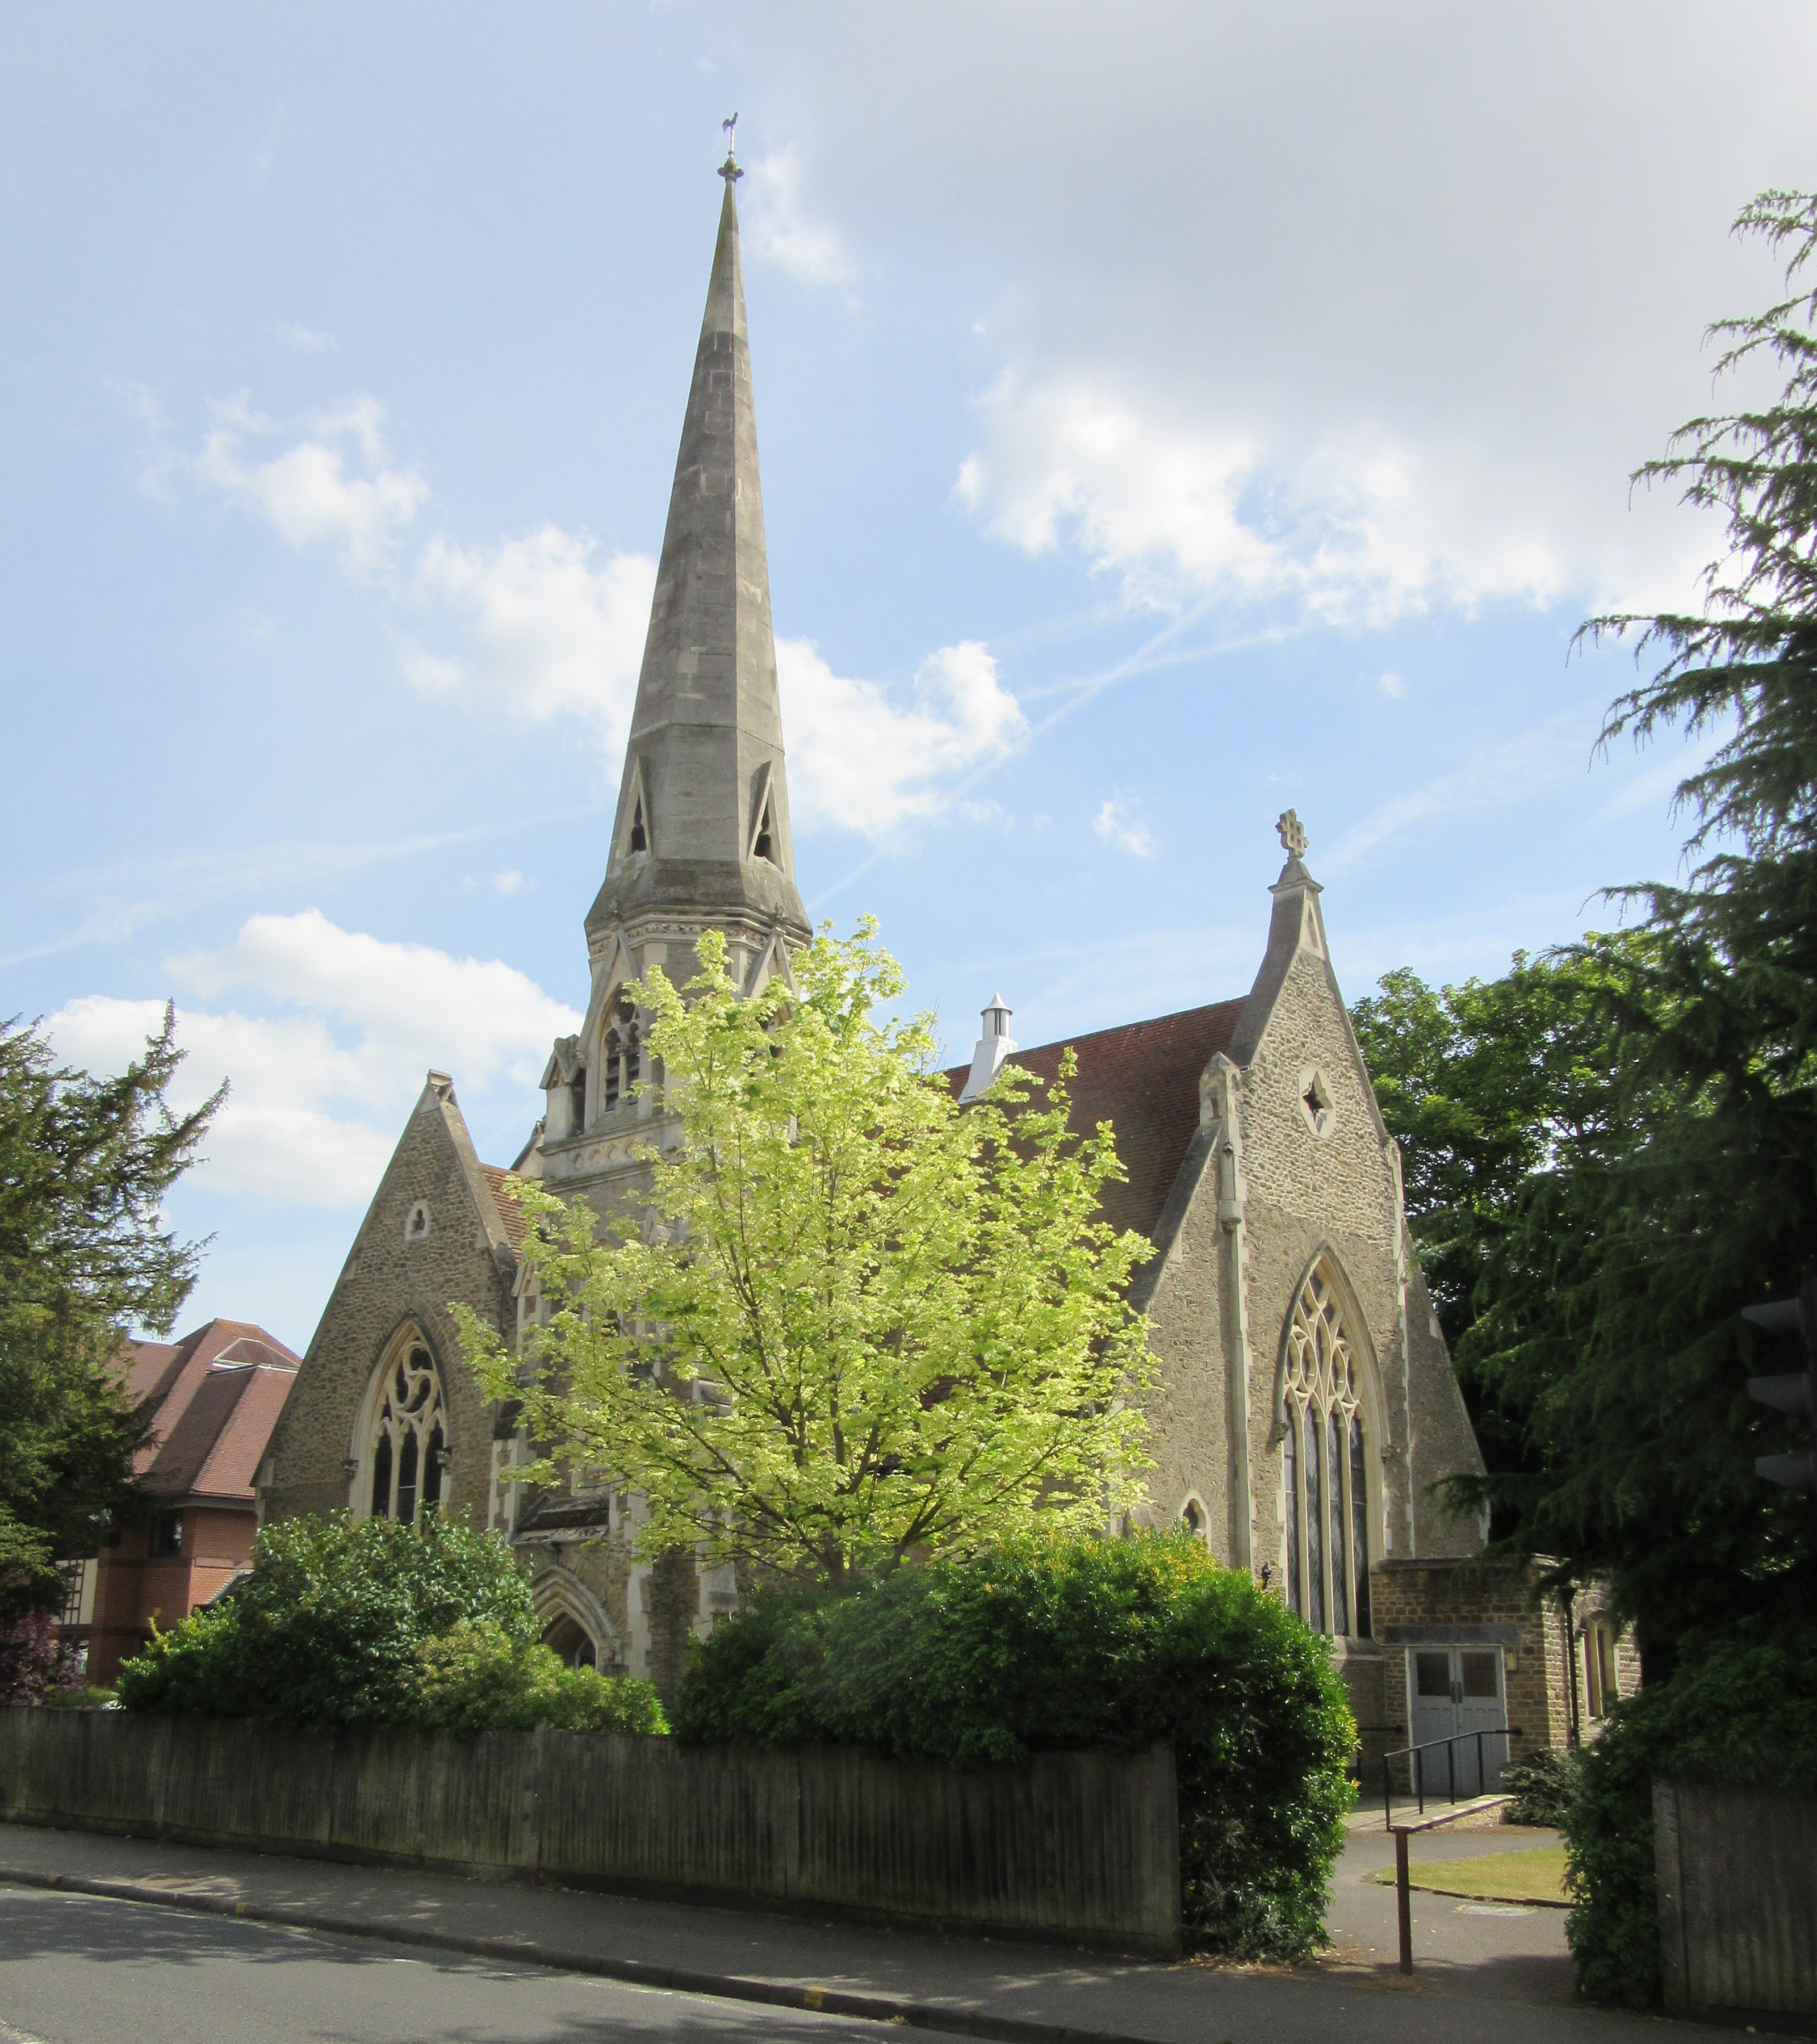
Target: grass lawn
x,y
1529,1874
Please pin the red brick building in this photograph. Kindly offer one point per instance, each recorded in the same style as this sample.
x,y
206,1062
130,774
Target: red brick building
x,y
218,1393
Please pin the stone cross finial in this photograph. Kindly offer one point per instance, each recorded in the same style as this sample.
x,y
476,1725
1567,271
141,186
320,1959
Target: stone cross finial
x,y
1292,834
729,170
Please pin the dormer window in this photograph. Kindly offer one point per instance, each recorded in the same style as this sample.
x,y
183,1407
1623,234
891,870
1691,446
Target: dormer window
x,y
640,836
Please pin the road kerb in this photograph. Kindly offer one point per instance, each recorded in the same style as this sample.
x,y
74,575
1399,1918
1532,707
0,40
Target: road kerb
x,y
635,1972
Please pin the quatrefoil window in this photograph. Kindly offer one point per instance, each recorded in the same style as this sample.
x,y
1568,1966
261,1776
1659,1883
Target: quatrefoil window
x,y
1315,1101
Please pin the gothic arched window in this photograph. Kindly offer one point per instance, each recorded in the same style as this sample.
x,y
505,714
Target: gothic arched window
x,y
1325,1465
407,1441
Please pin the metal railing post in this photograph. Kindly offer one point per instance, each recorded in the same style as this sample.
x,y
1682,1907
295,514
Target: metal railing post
x,y
1404,1901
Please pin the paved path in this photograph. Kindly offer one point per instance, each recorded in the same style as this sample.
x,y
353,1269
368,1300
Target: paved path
x,y
190,1976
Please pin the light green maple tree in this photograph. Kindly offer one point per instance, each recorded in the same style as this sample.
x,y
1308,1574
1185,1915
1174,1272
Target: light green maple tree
x,y
853,1322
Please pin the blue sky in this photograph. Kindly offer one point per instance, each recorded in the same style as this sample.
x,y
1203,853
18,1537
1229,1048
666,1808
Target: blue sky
x,y
1167,415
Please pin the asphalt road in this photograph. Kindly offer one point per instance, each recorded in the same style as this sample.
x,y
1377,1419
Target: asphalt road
x,y
75,1969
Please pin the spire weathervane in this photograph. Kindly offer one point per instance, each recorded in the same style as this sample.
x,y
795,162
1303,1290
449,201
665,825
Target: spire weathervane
x,y
729,170
1293,839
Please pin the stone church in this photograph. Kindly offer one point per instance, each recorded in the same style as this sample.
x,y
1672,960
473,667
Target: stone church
x,y
1305,1405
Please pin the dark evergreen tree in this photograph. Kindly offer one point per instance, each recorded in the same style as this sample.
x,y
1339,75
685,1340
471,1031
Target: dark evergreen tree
x,y
1485,1086
86,1257
1596,1309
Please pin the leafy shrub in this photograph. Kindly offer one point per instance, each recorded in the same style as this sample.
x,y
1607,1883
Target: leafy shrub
x,y
1738,1712
344,1622
1045,1645
36,1663
476,1675
1542,1785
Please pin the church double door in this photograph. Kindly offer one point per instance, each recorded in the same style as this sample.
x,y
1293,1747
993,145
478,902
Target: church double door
x,y
1458,1690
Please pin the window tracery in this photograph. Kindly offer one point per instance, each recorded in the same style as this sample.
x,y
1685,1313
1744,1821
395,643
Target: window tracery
x,y
409,1439
1325,1465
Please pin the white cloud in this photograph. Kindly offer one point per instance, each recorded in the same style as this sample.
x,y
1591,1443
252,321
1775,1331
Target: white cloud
x,y
553,630
778,229
860,761
508,879
1120,823
1416,302
304,340
1392,686
543,624
320,1086
480,1018
307,491
1358,528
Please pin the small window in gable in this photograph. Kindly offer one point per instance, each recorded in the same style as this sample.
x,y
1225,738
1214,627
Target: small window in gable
x,y
640,836
577,1102
1315,1101
417,1226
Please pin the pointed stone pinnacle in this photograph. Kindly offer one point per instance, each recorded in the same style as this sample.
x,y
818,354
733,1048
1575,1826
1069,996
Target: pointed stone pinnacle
x,y
704,759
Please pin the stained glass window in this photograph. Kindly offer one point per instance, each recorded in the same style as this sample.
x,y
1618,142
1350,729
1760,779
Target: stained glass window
x,y
409,1456
1325,1466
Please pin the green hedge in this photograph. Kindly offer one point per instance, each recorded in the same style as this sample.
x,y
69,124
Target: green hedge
x,y
1738,1712
1542,1785
345,1623
1106,1644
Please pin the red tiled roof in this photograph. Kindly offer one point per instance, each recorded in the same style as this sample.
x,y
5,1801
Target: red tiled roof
x,y
219,1392
1143,1079
510,1214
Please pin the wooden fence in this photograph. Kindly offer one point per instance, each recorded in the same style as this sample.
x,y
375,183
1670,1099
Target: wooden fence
x,y
1083,1846
1737,1902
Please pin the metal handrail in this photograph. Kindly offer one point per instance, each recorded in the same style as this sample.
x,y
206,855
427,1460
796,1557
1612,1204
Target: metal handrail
x,y
1418,1770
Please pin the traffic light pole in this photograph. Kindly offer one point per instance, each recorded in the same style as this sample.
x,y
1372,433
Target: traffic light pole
x,y
1793,1321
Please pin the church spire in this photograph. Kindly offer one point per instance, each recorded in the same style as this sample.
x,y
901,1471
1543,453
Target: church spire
x,y
702,826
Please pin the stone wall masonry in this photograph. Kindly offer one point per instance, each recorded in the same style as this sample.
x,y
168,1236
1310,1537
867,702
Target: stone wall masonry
x,y
1081,1847
1466,1602
1185,1407
387,1279
1304,1194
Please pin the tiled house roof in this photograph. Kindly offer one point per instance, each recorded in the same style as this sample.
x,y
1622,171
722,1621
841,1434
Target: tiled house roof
x,y
219,1392
510,1215
1143,1079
